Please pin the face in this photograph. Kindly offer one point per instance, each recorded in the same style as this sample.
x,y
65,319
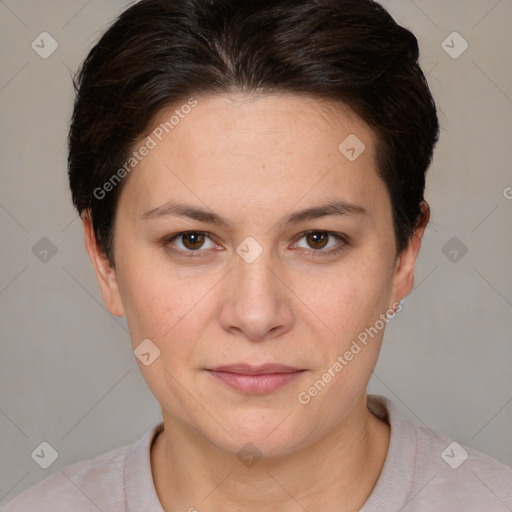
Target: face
x,y
257,281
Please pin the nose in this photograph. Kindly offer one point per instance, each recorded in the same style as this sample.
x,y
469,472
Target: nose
x,y
256,304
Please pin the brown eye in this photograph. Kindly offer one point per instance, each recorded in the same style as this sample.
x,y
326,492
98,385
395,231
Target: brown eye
x,y
317,240
193,240
189,243
322,243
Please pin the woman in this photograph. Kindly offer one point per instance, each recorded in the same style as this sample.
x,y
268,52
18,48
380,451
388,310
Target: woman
x,y
250,178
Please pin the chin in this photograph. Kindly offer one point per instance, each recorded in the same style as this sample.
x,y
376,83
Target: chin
x,y
274,433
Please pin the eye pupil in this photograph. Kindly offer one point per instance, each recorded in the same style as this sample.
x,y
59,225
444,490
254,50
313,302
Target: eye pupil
x,y
317,238
197,240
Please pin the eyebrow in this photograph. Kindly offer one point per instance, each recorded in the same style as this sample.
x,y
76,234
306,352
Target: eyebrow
x,y
332,208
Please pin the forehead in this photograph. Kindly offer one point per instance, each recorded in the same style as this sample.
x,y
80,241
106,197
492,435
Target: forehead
x,y
262,150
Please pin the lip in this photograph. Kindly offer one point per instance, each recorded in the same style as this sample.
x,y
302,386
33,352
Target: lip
x,y
262,369
256,379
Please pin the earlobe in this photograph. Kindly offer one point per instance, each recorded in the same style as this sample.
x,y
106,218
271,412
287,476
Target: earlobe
x,y
403,281
105,273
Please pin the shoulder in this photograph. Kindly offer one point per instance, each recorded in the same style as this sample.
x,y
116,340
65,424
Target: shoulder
x,y
85,485
92,484
426,470
471,479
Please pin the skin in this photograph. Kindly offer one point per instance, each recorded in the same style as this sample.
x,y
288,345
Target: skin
x,y
253,160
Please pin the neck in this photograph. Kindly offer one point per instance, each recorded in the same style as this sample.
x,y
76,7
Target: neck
x,y
338,472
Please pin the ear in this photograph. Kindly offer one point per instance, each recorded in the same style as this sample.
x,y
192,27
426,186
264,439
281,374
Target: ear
x,y
105,273
403,280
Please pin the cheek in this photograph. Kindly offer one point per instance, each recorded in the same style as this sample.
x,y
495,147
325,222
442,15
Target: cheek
x,y
154,307
166,311
350,297
350,304
160,304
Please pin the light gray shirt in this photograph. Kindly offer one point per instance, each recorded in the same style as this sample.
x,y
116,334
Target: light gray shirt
x,y
424,471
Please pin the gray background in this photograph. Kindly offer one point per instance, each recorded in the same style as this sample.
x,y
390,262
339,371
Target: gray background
x,y
67,372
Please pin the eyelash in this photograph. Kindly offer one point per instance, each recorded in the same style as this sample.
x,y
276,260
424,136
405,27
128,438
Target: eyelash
x,y
166,242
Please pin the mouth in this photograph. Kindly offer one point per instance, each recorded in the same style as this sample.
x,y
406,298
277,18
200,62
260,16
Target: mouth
x,y
256,379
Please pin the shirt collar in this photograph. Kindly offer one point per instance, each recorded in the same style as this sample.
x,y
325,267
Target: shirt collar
x,y
396,478
139,487
392,489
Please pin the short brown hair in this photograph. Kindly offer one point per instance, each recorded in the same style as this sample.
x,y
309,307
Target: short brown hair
x,y
160,52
